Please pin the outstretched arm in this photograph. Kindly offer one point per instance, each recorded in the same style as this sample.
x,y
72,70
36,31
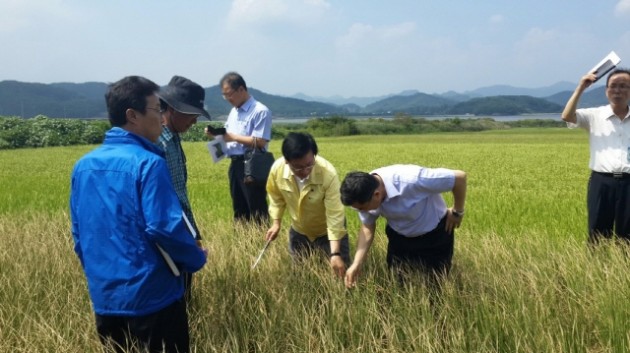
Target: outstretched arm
x,y
366,236
568,114
459,201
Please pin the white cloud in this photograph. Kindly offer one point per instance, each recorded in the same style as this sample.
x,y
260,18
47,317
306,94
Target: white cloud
x,y
535,41
359,34
261,12
622,8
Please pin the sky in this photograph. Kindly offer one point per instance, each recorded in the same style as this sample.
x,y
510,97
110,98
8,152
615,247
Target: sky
x,y
321,48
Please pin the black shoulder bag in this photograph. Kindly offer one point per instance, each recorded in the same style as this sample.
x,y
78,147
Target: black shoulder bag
x,y
257,165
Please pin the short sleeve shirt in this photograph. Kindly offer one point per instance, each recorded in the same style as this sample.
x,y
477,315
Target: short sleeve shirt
x,y
609,138
251,119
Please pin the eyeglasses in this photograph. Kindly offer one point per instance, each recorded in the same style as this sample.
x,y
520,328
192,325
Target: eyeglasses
x,y
229,94
621,87
303,169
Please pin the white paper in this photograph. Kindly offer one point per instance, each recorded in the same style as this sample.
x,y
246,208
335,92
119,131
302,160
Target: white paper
x,y
169,260
217,148
189,225
167,257
606,65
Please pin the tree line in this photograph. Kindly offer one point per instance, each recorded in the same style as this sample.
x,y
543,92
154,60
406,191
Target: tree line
x,y
42,131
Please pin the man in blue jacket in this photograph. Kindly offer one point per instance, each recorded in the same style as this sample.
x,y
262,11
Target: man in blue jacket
x,y
129,230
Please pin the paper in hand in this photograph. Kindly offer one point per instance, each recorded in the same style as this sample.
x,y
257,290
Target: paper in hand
x,y
169,261
217,148
606,65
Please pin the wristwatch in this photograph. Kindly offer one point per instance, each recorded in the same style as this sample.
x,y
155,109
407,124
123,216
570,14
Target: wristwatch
x,y
458,214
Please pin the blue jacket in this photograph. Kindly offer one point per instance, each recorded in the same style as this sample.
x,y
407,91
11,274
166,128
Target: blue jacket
x,y
122,204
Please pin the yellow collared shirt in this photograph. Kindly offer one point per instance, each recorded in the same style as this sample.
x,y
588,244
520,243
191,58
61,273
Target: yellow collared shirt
x,y
316,210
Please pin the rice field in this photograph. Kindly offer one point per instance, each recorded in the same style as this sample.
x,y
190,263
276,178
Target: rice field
x,y
523,278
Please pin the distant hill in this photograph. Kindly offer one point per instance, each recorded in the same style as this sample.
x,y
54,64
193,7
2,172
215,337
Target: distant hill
x,y
418,103
505,105
89,90
496,90
339,100
506,90
593,97
86,100
454,96
57,101
280,106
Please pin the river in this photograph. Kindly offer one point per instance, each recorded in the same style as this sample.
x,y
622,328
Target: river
x,y
549,116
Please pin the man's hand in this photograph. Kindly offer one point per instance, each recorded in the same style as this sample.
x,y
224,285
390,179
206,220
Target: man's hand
x,y
351,276
338,266
452,221
272,232
208,132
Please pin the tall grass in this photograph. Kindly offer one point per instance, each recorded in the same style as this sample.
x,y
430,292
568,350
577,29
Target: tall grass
x,y
523,278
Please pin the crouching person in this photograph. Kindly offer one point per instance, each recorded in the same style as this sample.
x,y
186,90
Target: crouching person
x,y
420,227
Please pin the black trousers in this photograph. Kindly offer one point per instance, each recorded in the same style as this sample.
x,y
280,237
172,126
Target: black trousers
x,y
431,253
249,201
162,331
608,206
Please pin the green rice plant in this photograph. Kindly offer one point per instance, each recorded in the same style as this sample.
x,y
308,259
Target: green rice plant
x,y
523,278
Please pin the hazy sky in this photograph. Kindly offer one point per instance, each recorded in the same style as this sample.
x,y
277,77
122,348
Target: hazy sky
x,y
317,47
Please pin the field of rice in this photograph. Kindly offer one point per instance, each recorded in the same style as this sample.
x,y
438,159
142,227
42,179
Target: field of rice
x,y
523,280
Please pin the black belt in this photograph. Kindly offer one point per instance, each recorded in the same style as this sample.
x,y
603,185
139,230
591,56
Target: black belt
x,y
240,157
616,175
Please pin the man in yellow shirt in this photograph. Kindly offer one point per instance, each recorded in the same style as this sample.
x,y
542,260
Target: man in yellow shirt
x,y
308,186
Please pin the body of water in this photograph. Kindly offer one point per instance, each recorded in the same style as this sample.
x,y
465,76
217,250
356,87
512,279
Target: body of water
x,y
550,116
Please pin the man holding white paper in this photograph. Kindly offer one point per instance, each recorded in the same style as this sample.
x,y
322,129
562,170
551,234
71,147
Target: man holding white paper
x,y
608,196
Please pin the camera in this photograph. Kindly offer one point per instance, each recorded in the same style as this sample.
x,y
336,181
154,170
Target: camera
x,y
216,130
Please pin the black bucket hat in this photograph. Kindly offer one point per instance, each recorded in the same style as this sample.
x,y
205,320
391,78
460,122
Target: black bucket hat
x,y
185,96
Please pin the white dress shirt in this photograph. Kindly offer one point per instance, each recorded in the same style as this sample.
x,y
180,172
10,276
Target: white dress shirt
x,y
414,204
609,138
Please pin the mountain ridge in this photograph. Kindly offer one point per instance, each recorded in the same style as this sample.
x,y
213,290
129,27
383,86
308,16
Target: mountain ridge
x,y
86,100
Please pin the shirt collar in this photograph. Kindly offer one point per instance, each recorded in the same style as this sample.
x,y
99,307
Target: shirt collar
x,y
611,114
388,183
245,107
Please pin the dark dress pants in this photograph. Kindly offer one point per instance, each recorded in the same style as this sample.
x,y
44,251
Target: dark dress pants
x,y
249,201
608,207
431,253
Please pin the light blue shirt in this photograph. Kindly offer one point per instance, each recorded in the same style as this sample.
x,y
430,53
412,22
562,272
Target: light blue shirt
x,y
250,119
414,204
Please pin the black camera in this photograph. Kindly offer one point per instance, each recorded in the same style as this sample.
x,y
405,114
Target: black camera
x,y
216,130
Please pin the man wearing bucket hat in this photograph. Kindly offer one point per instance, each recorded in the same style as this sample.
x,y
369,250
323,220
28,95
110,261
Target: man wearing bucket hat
x,y
182,103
